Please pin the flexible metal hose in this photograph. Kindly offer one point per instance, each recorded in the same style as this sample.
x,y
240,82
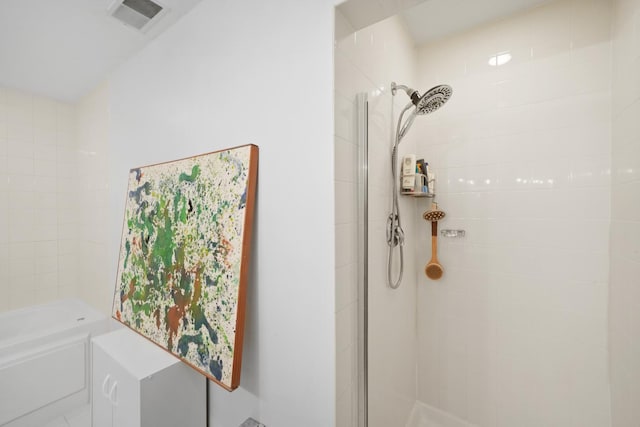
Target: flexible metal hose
x,y
395,234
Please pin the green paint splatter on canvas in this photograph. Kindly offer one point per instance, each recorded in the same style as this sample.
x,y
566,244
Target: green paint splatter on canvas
x,y
181,253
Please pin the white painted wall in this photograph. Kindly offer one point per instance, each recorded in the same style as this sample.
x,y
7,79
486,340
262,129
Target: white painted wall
x,y
368,61
516,331
624,306
232,73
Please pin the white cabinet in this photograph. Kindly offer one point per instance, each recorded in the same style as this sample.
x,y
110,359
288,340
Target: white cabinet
x,y
137,384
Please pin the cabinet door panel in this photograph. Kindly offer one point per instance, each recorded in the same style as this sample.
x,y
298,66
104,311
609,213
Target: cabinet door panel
x,y
126,398
101,415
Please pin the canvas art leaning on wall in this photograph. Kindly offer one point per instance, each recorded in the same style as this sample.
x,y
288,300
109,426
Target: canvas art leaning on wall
x,y
184,255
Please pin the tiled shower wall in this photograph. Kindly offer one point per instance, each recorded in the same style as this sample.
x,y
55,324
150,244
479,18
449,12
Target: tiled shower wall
x,y
96,286
624,306
39,200
367,61
53,197
515,334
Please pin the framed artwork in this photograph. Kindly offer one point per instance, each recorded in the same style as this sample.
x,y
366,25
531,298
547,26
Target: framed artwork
x,y
184,258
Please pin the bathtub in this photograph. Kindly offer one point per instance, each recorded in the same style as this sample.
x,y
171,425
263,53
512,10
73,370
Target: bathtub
x,y
45,360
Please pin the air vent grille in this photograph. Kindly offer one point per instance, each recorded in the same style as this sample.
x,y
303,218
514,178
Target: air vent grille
x,y
136,13
144,7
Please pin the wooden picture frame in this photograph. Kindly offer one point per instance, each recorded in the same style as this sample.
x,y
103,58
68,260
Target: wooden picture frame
x,y
184,258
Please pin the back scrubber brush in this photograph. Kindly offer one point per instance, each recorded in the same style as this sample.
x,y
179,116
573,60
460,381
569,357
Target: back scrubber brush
x,y
434,270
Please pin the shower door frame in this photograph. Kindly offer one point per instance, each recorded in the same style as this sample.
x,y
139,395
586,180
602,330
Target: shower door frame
x,y
362,135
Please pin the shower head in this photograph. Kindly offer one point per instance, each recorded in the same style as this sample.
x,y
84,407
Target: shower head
x,y
432,100
435,98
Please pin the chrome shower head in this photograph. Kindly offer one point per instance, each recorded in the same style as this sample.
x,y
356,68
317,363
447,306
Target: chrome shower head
x,y
435,98
431,101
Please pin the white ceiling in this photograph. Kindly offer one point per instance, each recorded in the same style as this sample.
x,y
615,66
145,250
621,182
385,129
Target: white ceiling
x,y
64,48
430,20
434,19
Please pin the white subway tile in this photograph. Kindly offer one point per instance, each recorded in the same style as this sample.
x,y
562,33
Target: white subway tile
x,y
551,33
344,408
67,247
68,231
44,152
21,200
46,249
345,113
346,196
20,166
21,250
20,131
46,202
4,288
20,149
346,159
346,285
20,296
46,264
66,139
344,369
455,391
44,184
45,168
45,232
591,171
44,113
45,137
46,295
345,244
346,327
626,206
65,117
591,68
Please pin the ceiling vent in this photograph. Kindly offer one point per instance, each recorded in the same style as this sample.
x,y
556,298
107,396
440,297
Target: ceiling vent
x,y
139,14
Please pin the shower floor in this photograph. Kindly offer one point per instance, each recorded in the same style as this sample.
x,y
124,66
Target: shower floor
x,y
423,415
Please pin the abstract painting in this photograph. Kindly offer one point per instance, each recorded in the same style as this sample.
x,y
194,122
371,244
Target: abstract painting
x,y
184,255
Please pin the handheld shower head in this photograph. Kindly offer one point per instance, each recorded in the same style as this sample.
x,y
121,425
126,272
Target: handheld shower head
x,y
435,98
431,101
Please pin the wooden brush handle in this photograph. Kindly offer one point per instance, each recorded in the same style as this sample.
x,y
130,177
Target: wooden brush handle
x,y
434,241
434,249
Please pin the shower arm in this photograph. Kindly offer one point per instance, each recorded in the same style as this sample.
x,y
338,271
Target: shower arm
x,y
395,87
411,92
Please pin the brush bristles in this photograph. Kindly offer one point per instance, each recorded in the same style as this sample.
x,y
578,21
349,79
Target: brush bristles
x,y
433,271
433,215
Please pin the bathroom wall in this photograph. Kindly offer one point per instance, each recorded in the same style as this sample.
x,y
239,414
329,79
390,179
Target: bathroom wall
x,y
624,305
39,200
96,286
232,73
53,195
367,61
515,333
